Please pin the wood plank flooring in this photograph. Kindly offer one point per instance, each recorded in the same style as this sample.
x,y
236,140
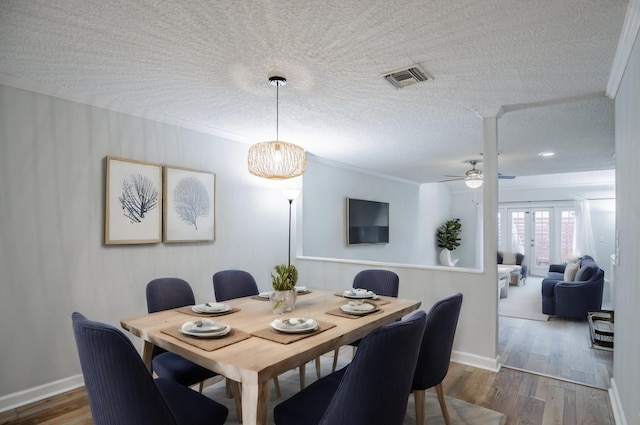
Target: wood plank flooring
x,y
525,398
559,348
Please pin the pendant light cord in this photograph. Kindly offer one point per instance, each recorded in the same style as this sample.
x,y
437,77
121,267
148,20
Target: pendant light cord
x,y
277,110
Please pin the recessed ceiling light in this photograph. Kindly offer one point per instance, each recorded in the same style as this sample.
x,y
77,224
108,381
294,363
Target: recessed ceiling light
x,y
546,153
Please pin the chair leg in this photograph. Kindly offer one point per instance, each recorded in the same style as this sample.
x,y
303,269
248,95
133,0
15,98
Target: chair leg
x,y
201,386
443,405
318,374
335,359
277,384
228,387
303,371
419,400
234,388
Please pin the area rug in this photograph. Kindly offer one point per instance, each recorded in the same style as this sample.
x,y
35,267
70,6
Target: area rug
x,y
461,413
524,302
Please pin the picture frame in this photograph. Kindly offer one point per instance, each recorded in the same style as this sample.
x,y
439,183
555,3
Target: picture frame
x,y
189,205
133,202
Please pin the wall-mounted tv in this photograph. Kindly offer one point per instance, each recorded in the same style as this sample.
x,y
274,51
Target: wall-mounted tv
x,y
367,222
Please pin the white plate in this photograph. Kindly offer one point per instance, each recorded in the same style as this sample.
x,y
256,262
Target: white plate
x,y
359,294
203,326
264,294
211,308
291,326
223,332
358,309
300,289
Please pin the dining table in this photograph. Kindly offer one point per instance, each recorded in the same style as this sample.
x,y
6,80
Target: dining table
x,y
253,352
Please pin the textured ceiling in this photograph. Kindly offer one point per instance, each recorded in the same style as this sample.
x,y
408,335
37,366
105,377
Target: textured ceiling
x,y
207,62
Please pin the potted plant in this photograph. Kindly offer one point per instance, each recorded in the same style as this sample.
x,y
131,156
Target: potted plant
x,y
448,238
283,296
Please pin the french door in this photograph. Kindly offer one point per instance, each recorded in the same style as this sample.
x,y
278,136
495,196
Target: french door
x,y
531,232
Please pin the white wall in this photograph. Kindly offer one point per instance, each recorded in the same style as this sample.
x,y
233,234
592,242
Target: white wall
x,y
626,368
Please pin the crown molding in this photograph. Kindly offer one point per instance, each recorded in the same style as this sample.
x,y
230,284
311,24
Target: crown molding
x,y
625,45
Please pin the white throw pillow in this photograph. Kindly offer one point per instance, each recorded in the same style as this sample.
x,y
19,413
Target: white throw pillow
x,y
570,271
508,258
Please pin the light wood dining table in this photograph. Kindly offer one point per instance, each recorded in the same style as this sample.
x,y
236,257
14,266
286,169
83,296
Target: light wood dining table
x,y
254,361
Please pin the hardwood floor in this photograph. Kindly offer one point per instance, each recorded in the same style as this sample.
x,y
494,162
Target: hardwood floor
x,y
560,348
525,399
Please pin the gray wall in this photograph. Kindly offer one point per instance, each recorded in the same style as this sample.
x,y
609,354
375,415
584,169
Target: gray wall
x,y
325,189
415,212
52,257
626,368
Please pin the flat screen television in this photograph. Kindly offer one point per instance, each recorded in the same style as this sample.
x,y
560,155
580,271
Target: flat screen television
x,y
367,222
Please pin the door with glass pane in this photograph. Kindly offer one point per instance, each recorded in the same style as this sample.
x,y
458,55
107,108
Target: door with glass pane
x,y
529,233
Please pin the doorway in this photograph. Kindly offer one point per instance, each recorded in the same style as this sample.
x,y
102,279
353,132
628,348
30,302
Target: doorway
x,y
544,235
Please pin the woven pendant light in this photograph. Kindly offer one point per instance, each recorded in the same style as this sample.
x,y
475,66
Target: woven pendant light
x,y
276,159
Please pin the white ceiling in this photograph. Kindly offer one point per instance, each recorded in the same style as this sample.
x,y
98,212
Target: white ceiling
x,y
207,63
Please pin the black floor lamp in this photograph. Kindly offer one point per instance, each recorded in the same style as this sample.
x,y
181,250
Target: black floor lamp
x,y
290,195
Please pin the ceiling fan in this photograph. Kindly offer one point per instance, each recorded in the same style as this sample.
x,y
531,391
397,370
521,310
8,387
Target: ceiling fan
x,y
473,177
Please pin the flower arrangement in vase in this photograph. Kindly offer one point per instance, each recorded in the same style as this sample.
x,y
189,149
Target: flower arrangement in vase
x,y
283,297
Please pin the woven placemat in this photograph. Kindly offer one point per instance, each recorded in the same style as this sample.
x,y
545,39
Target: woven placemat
x,y
283,338
379,301
187,310
208,344
338,312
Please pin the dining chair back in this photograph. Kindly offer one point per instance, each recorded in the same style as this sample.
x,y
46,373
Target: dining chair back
x,y
164,294
122,391
381,282
372,389
435,354
230,284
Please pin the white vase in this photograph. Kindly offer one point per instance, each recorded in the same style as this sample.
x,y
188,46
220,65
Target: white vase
x,y
283,301
445,258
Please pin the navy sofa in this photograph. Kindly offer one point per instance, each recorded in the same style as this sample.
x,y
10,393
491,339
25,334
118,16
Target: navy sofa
x,y
573,299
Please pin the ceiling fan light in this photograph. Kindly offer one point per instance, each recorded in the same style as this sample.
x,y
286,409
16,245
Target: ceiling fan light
x,y
276,160
473,183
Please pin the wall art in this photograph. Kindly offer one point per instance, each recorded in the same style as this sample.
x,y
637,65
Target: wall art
x,y
189,206
133,208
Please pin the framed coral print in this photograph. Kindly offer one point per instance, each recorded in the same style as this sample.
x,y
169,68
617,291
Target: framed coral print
x,y
189,205
133,207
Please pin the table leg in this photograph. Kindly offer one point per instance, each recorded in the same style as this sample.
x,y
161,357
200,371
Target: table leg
x,y
147,351
255,403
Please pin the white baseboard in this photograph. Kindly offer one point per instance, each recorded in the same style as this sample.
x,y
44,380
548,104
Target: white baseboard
x,y
616,406
486,363
31,395
21,398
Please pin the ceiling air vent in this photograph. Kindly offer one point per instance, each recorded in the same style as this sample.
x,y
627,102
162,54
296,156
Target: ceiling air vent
x,y
406,77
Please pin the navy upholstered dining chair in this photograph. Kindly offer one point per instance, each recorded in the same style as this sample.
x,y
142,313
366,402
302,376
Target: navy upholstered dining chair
x,y
122,391
435,354
372,389
380,282
165,294
231,284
